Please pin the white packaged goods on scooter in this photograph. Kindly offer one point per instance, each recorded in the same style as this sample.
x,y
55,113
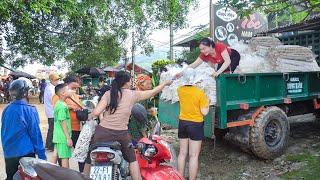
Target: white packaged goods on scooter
x,y
81,149
203,72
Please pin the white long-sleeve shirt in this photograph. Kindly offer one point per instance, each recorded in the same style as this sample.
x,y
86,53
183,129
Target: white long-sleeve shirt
x,y
48,94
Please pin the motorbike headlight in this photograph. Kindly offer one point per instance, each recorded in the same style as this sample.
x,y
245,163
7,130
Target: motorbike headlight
x,y
169,146
150,151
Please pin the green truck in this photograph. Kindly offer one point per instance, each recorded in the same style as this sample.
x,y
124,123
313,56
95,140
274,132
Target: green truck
x,y
254,108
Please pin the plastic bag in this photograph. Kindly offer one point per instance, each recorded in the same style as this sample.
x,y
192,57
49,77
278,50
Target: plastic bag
x,y
81,150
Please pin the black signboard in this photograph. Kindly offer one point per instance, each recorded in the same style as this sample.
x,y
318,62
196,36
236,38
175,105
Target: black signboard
x,y
229,28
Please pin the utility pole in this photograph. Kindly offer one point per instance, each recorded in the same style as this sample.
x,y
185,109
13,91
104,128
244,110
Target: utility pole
x,y
171,42
133,59
1,45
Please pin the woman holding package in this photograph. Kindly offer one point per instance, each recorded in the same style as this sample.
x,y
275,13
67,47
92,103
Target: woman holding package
x,y
216,53
116,105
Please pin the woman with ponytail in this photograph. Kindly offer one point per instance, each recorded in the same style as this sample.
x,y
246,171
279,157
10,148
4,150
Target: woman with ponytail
x,y
216,53
116,105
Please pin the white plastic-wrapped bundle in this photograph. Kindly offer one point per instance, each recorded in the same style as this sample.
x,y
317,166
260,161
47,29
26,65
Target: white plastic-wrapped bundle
x,y
292,52
263,43
82,147
203,74
251,61
262,50
292,58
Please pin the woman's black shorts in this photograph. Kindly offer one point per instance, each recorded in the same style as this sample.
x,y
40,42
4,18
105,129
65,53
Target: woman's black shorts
x,y
191,130
235,59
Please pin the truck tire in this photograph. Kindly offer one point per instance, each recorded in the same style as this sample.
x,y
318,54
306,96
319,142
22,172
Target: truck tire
x,y
269,136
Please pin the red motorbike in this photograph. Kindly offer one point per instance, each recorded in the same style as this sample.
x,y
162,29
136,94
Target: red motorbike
x,y
152,155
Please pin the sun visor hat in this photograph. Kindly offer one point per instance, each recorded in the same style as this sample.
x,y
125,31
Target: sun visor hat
x,y
188,77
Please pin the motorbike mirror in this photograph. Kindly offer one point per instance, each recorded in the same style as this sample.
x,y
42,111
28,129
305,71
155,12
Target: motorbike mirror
x,y
157,129
139,113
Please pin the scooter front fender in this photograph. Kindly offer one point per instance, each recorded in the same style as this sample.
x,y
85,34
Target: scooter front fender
x,y
161,173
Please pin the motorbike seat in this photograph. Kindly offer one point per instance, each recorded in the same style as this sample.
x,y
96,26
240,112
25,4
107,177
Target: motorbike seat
x,y
115,145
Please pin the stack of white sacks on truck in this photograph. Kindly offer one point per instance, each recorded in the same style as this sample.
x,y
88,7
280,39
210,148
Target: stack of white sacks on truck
x,y
267,54
263,54
203,72
291,58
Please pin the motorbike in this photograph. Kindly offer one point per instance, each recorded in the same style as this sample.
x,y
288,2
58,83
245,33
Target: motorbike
x,y
37,169
152,153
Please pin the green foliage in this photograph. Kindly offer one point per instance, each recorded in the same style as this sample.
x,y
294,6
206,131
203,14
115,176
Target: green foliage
x,y
311,169
98,51
202,34
295,11
49,30
188,56
157,68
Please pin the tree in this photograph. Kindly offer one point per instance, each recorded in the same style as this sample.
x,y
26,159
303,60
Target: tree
x,y
98,51
293,10
48,30
189,56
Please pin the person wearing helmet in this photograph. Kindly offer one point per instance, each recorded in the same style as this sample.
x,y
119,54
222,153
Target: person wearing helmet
x,y
137,129
20,131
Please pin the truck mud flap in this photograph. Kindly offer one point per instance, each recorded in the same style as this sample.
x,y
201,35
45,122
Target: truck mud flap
x,y
239,135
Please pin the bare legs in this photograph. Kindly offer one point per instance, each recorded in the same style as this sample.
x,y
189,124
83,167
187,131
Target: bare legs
x,y
135,170
183,152
64,161
193,147
86,169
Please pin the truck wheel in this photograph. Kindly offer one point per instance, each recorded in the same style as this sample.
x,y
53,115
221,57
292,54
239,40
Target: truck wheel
x,y
246,150
270,133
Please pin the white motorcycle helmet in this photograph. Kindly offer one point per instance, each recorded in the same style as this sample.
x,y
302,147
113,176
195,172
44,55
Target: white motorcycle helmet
x,y
19,88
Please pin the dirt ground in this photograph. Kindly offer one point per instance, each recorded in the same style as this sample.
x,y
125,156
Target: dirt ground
x,y
44,128
227,161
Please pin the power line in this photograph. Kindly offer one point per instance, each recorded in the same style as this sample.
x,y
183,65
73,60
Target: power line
x,y
198,10
207,13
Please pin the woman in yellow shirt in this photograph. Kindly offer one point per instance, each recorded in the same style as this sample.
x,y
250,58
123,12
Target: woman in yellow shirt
x,y
193,106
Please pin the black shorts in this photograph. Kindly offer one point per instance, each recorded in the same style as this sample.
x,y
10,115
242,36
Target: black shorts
x,y
235,59
191,130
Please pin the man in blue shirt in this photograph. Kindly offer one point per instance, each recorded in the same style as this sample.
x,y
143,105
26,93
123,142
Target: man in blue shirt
x,y
20,131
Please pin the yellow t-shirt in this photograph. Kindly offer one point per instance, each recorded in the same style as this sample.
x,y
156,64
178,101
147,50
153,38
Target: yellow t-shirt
x,y
192,99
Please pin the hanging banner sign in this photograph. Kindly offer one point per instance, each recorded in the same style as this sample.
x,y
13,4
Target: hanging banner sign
x,y
229,28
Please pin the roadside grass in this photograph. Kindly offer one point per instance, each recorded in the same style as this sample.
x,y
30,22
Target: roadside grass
x,y
309,171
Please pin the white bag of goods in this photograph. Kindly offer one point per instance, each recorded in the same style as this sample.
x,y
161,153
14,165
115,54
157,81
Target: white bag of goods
x,y
81,149
203,74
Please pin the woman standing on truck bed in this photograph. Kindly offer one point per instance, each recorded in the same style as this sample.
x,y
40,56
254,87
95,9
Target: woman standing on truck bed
x,y
216,53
